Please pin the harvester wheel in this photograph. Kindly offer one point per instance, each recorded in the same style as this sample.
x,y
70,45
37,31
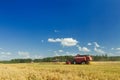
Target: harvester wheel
x,y
74,62
87,62
83,62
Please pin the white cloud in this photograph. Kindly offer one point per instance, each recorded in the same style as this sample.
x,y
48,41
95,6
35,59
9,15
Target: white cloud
x,y
54,40
89,44
24,54
55,51
96,44
117,53
64,41
111,54
84,49
112,48
1,49
42,41
37,57
117,48
5,53
79,48
114,54
99,50
68,53
60,51
56,54
69,42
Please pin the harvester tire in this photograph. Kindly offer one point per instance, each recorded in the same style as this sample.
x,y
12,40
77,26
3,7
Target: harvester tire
x,y
83,62
87,62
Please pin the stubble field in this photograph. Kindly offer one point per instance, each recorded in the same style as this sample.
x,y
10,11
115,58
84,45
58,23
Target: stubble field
x,y
60,71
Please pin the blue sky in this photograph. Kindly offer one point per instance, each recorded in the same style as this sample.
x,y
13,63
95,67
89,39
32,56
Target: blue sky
x,y
41,28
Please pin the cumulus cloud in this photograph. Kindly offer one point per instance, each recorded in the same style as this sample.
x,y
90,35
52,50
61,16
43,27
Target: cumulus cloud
x,y
55,51
84,49
117,53
56,54
68,53
89,44
112,48
24,54
64,41
60,51
1,49
69,42
42,41
79,48
54,40
5,53
96,44
111,54
99,50
37,57
117,48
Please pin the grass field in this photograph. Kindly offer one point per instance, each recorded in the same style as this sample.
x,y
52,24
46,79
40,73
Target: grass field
x,y
60,71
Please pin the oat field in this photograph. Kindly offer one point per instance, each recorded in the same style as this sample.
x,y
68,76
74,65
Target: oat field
x,y
60,71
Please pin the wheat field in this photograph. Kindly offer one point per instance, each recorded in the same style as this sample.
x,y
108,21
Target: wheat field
x,y
60,71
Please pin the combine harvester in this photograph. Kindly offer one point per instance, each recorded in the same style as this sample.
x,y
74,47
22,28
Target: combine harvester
x,y
80,59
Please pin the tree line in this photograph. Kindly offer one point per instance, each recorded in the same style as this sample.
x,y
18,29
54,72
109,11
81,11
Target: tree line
x,y
62,59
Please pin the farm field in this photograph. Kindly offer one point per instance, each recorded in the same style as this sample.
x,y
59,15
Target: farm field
x,y
60,71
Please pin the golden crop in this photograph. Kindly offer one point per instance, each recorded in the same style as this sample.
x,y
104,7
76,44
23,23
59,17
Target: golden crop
x,y
60,71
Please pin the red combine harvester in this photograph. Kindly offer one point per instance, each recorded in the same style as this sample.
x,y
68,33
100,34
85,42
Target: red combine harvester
x,y
80,59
